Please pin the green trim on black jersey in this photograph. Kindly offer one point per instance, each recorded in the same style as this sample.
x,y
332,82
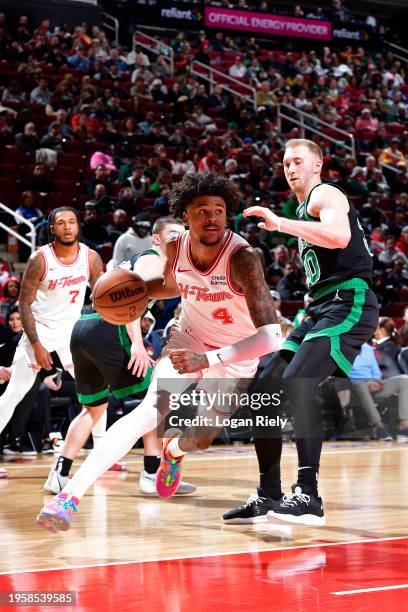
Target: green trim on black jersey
x,y
93,397
136,388
90,315
353,283
289,345
345,326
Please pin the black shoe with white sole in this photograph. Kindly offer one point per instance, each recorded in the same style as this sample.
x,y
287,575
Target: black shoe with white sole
x,y
255,509
301,508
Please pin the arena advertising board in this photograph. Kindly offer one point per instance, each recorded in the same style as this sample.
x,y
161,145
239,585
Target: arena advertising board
x,y
267,24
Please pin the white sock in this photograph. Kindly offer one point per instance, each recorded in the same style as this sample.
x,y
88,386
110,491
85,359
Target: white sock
x,y
174,448
99,429
114,445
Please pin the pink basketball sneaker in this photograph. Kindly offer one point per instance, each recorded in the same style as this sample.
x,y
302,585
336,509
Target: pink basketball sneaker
x,y
57,514
169,473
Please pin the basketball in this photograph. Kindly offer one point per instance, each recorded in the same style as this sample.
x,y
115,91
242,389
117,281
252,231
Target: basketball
x,y
120,296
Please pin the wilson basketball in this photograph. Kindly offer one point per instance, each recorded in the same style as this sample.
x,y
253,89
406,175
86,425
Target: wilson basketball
x,y
120,296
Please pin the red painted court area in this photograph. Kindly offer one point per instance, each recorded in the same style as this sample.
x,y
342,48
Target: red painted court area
x,y
312,578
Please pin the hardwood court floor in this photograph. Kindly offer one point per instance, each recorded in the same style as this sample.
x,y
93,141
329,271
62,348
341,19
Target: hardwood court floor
x,y
364,487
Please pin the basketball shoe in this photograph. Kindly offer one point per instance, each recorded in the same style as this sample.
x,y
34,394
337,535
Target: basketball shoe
x,y
300,507
168,475
254,510
57,514
3,473
55,482
147,485
119,466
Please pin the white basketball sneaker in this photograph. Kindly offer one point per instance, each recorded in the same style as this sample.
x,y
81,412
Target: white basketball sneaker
x,y
55,482
147,485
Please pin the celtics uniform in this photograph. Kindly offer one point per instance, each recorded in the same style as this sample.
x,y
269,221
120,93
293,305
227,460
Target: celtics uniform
x,y
344,308
101,353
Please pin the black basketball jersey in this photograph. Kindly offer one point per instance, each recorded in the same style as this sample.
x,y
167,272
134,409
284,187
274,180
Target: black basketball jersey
x,y
327,266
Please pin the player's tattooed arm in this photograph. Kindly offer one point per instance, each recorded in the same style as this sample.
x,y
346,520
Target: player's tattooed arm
x,y
247,276
95,267
29,285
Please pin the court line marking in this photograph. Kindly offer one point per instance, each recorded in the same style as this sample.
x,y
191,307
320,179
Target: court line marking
x,y
386,588
203,556
192,457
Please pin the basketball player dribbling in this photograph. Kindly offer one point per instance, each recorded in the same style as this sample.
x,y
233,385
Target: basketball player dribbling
x,y
112,358
342,316
51,298
227,322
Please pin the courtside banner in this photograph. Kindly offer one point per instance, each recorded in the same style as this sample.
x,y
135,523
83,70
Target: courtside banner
x,y
261,23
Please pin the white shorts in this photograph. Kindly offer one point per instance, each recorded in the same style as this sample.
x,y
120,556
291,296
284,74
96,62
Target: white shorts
x,y
235,376
52,340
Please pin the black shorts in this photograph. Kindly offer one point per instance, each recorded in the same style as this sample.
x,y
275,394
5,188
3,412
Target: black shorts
x,y
100,353
347,313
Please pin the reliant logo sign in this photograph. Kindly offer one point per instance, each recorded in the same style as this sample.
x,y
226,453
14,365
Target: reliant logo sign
x,y
176,13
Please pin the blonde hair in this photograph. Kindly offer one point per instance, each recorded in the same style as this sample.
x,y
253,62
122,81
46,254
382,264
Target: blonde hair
x,y
312,146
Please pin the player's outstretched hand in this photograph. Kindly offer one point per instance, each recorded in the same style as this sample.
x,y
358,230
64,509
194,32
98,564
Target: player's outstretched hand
x,y
271,221
42,356
185,361
139,361
5,374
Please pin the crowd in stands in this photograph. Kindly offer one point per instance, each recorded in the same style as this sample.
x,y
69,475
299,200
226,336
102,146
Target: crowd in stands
x,y
110,129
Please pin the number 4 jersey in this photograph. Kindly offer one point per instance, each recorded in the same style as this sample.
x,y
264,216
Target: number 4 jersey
x,y
212,310
61,292
327,266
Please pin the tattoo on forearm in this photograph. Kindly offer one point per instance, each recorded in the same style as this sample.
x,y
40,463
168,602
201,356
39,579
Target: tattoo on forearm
x,y
96,268
29,286
248,275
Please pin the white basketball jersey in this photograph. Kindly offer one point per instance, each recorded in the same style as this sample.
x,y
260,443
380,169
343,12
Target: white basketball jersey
x,y
211,310
61,293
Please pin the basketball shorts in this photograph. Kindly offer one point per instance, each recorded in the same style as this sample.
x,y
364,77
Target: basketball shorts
x,y
346,313
101,352
53,340
219,379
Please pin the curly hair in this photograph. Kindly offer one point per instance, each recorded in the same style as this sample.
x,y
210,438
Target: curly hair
x,y
193,185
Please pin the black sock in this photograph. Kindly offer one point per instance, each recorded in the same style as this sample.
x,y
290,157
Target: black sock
x,y
269,452
309,450
271,483
63,466
151,463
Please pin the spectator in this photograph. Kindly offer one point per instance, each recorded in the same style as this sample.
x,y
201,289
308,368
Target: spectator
x,y
101,178
27,208
391,253
386,347
402,243
392,156
28,141
94,233
118,226
54,139
290,287
151,338
369,385
101,201
181,165
41,94
251,235
138,181
79,61
39,181
265,97
238,69
161,203
367,123
127,201
134,241
10,291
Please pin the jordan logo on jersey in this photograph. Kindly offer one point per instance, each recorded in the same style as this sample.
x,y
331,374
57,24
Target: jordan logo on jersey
x,y
202,294
66,281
